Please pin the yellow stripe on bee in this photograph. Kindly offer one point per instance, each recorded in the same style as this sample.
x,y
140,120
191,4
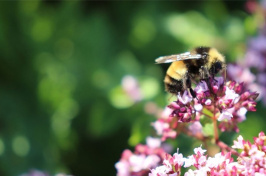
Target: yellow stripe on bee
x,y
214,55
167,79
177,70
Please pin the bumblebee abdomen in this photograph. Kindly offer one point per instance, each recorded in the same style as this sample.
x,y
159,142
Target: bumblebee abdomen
x,y
177,70
173,85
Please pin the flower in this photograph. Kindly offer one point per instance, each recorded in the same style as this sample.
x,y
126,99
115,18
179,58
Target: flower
x,y
253,156
251,161
228,102
225,115
163,129
153,142
131,87
253,65
185,98
144,158
195,127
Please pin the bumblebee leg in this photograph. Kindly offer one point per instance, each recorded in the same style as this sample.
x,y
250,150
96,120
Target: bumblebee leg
x,y
187,84
204,73
192,92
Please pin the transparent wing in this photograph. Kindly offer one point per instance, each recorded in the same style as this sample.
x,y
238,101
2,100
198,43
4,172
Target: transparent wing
x,y
177,57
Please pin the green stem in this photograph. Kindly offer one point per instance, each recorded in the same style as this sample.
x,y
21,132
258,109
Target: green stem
x,y
215,128
207,112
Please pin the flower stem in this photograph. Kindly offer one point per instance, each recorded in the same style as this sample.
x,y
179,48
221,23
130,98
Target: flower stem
x,y
215,128
225,147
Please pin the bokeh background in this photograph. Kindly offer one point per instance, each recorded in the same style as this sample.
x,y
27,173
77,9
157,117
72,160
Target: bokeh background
x,y
68,67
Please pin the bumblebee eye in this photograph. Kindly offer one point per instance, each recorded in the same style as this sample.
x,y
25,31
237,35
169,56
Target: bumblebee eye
x,y
205,55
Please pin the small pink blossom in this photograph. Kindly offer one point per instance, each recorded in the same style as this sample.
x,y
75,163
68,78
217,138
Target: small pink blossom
x,y
185,98
142,160
195,127
123,168
231,94
208,102
201,87
159,171
198,107
199,150
153,142
239,143
241,113
166,112
241,74
225,115
131,87
160,126
189,161
151,161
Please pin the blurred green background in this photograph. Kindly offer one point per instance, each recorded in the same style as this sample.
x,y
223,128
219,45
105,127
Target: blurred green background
x,y
62,105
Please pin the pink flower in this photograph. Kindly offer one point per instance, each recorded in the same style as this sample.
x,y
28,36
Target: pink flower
x,y
153,142
178,159
225,115
251,161
123,168
144,158
229,104
195,127
131,87
239,143
240,74
189,161
151,161
160,126
241,113
201,87
185,98
199,151
231,94
159,171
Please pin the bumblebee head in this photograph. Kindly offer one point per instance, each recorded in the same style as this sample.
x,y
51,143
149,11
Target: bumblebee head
x,y
205,55
217,67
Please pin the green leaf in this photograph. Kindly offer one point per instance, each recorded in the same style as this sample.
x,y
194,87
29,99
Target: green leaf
x,y
208,129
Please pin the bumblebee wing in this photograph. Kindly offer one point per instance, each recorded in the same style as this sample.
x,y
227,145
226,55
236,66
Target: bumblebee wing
x,y
177,57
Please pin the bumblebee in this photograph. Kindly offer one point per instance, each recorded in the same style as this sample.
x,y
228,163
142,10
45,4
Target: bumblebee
x,y
201,63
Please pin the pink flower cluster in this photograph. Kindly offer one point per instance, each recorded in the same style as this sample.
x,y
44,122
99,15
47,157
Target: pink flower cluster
x,y
220,164
226,102
142,160
171,166
252,68
234,105
251,161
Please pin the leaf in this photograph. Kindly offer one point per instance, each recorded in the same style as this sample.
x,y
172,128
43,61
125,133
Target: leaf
x,y
208,129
